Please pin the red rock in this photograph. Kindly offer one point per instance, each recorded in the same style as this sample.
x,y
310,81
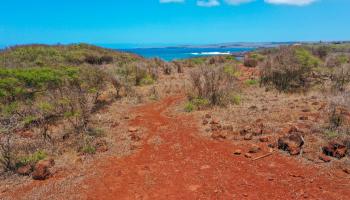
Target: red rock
x,y
24,170
264,139
303,118
205,122
219,135
248,155
324,158
291,143
41,169
132,129
237,152
248,136
214,121
257,131
254,149
335,149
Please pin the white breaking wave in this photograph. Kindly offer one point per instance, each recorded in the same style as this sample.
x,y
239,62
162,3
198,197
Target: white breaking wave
x,y
211,53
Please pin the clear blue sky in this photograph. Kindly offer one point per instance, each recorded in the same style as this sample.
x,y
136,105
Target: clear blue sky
x,y
172,21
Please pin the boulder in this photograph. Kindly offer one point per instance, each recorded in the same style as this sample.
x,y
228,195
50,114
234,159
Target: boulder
x,y
205,122
208,116
42,169
335,149
237,152
291,143
132,129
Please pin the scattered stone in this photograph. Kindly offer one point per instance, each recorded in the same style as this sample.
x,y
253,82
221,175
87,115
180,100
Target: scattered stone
x,y
254,149
304,118
324,158
126,117
272,145
132,129
208,116
41,169
306,110
253,107
219,135
263,139
335,149
346,170
237,152
248,155
24,170
257,131
248,136
205,122
215,121
101,146
291,143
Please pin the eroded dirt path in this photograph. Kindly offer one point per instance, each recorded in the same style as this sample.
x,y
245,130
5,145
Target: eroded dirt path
x,y
175,162
183,165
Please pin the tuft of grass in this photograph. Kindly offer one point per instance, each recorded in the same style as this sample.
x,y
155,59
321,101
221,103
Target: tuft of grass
x,y
189,107
147,80
251,82
330,134
88,149
236,99
32,159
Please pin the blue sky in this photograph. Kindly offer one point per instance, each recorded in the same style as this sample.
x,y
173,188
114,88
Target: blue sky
x,y
172,21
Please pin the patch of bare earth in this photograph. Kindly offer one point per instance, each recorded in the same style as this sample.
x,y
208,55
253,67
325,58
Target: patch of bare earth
x,y
172,160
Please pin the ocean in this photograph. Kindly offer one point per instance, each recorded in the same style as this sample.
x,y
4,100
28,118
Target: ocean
x,y
176,53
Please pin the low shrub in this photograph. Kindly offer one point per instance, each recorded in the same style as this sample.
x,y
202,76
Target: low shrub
x,y
213,84
289,69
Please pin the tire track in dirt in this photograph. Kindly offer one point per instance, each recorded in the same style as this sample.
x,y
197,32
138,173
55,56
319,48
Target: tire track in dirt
x,y
186,166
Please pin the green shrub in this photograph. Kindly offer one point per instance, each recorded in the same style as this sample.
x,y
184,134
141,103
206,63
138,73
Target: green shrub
x,y
330,134
236,99
189,107
88,149
289,69
147,80
251,82
32,159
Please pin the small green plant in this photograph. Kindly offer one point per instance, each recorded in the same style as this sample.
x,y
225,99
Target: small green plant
x,y
147,80
251,82
88,149
236,99
330,134
189,107
32,159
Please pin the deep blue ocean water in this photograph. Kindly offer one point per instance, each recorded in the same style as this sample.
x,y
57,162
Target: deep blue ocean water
x,y
176,53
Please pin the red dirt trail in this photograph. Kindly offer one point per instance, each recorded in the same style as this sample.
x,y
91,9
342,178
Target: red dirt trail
x,y
185,165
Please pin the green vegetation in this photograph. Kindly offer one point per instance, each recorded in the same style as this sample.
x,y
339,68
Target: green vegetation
x,y
32,159
88,149
289,69
43,85
236,99
251,82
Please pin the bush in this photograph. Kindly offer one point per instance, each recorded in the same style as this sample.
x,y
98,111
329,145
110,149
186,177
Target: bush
x,y
253,59
31,159
341,77
289,69
213,84
88,149
251,82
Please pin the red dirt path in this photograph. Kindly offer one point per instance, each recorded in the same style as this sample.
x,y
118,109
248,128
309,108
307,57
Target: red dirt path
x,y
185,165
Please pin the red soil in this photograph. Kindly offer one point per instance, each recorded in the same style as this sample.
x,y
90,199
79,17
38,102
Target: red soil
x,y
185,165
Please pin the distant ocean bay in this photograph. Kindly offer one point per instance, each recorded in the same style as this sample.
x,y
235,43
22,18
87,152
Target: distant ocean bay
x,y
176,53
